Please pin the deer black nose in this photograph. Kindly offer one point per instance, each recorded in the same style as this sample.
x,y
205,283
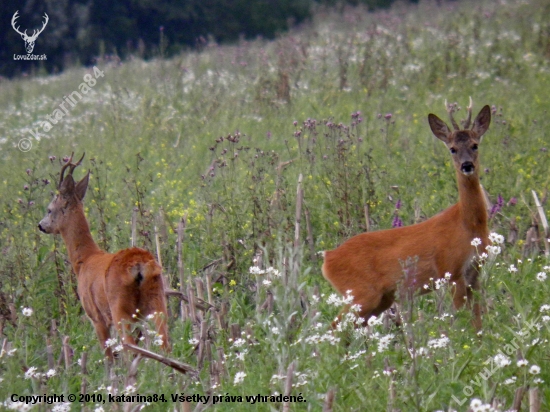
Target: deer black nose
x,y
41,228
467,168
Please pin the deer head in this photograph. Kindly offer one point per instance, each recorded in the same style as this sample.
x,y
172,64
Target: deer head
x,y
66,202
29,40
462,143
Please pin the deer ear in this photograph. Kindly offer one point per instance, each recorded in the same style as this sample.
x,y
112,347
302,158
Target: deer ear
x,y
482,121
82,186
439,128
67,186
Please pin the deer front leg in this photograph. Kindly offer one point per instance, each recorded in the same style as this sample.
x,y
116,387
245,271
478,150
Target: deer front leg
x,y
464,289
472,280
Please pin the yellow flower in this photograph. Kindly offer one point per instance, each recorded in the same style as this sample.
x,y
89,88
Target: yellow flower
x,y
232,282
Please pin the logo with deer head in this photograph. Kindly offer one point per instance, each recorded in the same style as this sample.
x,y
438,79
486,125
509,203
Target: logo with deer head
x,y
29,40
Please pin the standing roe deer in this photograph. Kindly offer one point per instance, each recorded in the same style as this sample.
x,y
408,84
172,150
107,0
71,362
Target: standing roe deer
x,y
113,287
370,264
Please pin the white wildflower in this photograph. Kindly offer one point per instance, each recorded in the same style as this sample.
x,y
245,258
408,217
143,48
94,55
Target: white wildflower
x,y
439,343
534,370
27,312
541,276
496,238
348,299
493,250
193,341
272,271
476,405
476,242
384,342
373,320
522,362
110,342
266,282
31,372
51,373
255,270
511,380
239,377
502,360
239,342
62,407
512,269
333,299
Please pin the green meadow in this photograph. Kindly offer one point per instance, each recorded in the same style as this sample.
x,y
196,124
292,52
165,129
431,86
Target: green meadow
x,y
229,147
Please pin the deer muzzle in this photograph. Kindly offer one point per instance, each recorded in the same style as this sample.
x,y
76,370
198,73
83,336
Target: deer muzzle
x,y
467,168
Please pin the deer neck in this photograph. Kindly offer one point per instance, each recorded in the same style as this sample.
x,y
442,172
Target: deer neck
x,y
78,239
472,203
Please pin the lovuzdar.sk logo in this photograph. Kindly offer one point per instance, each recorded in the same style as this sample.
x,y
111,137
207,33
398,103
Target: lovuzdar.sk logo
x,y
29,40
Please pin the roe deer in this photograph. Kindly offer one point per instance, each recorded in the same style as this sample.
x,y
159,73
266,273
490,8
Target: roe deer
x,y
116,287
370,264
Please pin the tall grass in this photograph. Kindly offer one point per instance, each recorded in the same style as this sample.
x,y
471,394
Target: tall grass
x,y
219,139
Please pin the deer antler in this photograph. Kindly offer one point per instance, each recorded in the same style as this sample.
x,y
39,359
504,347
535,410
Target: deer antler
x,y
71,165
13,20
450,110
37,32
469,109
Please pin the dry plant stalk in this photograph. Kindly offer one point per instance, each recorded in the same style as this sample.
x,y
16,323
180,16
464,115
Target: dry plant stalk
x,y
174,364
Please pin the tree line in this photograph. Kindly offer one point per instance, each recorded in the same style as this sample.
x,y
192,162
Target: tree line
x,y
78,31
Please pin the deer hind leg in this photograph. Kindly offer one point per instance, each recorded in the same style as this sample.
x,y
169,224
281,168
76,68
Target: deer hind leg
x,y
102,332
122,319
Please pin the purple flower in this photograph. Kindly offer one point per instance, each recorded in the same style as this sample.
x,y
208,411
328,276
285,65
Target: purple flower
x,y
513,201
397,222
398,204
388,116
494,210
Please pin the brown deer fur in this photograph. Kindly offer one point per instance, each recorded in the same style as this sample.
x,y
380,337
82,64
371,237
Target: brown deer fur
x,y
113,287
370,264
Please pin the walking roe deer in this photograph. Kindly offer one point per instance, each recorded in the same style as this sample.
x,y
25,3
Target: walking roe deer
x,y
114,288
370,264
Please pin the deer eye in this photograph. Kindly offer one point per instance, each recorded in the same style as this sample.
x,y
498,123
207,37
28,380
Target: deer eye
x,y
49,211
474,147
453,150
